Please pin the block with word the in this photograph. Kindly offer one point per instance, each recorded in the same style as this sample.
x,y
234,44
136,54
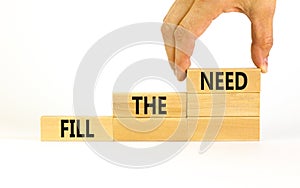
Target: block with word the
x,y
149,105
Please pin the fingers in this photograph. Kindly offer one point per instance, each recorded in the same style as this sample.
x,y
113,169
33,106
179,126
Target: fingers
x,y
167,30
191,27
193,18
177,12
184,43
262,36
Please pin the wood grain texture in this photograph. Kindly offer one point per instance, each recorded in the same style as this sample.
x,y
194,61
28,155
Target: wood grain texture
x,y
51,128
224,129
146,129
194,80
226,104
125,106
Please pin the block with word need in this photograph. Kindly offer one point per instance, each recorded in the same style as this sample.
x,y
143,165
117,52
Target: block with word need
x,y
223,80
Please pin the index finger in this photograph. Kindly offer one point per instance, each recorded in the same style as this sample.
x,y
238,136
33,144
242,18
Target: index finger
x,y
176,13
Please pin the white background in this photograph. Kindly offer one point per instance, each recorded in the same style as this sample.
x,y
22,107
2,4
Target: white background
x,y
41,46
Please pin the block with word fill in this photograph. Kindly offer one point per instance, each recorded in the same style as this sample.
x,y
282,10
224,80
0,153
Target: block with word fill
x,y
67,128
223,80
149,105
150,129
224,129
223,104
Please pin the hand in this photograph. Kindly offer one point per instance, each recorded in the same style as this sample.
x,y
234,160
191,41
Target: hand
x,y
188,19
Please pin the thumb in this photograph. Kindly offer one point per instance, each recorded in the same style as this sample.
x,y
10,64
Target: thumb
x,y
262,38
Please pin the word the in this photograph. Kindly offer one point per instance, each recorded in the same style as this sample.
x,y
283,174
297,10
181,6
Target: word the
x,y
155,100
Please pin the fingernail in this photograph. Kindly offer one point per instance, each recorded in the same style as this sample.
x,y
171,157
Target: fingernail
x,y
264,67
180,74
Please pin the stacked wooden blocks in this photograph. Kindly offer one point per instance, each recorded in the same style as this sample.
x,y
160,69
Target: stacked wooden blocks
x,y
224,104
150,117
220,104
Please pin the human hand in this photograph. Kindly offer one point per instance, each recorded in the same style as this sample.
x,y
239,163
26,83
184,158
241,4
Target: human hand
x,y
188,19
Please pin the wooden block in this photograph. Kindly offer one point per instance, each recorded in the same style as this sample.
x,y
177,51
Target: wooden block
x,y
224,129
150,129
65,128
133,105
225,104
223,80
